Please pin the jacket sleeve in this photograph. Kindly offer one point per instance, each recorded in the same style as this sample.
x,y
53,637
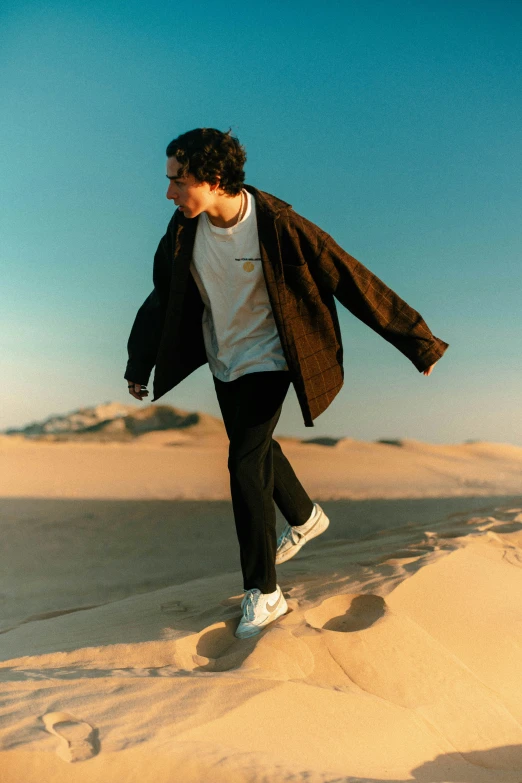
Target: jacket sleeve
x,y
380,308
145,336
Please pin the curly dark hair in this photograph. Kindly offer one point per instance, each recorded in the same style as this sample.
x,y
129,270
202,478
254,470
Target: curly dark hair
x,y
210,155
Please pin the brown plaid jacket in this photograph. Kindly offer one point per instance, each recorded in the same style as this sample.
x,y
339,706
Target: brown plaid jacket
x,y
304,270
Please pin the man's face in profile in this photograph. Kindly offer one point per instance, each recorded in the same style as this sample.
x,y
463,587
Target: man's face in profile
x,y
188,194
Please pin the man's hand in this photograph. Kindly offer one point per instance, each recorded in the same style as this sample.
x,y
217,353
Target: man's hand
x,y
137,390
429,370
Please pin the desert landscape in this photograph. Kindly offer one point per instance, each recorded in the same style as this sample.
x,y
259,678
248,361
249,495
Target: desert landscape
x,y
399,659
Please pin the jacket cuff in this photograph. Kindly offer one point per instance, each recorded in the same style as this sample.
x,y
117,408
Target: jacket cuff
x,y
431,355
137,374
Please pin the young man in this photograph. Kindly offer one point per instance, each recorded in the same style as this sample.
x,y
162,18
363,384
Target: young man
x,y
244,283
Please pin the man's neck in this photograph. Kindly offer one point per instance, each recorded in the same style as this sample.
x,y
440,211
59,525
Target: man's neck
x,y
224,213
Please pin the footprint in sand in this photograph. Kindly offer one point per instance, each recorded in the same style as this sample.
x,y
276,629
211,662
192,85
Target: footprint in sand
x,y
346,613
78,739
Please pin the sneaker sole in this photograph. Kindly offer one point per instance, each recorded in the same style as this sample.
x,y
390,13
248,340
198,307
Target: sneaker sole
x,y
255,630
319,527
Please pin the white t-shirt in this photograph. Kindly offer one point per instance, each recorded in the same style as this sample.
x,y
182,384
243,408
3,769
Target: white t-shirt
x,y
238,325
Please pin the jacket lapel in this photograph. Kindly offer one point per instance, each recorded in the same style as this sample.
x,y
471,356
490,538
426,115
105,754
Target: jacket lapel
x,y
183,247
271,260
267,210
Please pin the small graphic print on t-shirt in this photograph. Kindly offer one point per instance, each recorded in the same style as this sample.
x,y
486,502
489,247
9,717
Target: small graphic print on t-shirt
x,y
248,266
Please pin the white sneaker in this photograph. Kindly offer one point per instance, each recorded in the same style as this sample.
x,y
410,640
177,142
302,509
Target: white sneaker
x,y
293,538
260,609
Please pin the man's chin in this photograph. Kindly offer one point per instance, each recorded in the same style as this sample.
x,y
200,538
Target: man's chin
x,y
188,213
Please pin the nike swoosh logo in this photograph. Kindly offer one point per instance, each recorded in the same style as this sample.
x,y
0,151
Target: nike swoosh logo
x,y
271,608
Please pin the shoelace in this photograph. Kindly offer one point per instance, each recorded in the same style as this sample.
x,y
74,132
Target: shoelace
x,y
251,599
289,534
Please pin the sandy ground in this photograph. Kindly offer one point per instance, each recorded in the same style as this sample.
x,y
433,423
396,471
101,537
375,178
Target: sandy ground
x,y
167,465
400,658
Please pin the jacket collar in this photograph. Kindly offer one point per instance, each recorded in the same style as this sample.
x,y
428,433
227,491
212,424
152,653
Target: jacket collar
x,y
267,203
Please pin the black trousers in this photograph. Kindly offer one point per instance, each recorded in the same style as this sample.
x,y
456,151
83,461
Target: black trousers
x,y
259,471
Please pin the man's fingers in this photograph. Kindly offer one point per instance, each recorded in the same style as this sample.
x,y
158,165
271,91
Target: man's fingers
x,y
137,390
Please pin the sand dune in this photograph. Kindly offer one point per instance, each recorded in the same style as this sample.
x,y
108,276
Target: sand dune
x,y
162,452
400,658
172,464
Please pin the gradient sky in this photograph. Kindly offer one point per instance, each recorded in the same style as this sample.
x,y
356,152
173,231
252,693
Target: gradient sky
x,y
395,126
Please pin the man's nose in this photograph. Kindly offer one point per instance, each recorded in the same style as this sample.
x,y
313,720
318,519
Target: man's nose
x,y
171,194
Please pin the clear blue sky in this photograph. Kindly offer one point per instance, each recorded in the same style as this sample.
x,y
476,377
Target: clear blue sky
x,y
396,126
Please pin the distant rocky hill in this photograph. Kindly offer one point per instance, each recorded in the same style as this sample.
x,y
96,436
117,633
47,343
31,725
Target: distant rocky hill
x,y
114,421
